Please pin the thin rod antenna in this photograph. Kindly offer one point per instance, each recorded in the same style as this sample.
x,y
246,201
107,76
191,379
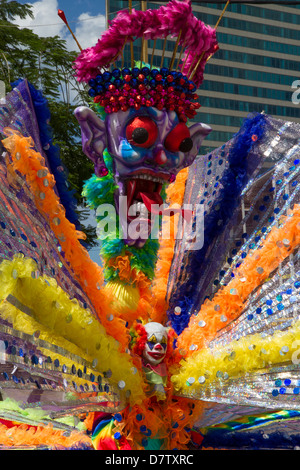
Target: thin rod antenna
x,y
175,50
63,17
131,42
163,52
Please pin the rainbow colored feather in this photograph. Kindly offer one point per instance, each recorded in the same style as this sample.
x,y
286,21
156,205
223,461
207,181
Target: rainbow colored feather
x,y
105,436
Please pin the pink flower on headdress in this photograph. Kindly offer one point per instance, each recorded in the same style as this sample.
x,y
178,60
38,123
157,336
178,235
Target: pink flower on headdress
x,y
176,17
171,19
153,25
126,24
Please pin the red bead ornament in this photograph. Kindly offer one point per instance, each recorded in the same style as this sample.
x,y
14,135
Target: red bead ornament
x,y
103,171
161,96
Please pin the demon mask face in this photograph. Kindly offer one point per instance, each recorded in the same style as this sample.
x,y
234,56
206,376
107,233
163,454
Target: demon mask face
x,y
149,148
156,345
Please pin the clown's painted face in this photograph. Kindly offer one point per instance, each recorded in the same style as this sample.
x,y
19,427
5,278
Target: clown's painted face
x,y
156,345
149,148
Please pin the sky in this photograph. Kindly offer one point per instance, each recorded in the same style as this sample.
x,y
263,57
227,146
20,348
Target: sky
x,y
86,18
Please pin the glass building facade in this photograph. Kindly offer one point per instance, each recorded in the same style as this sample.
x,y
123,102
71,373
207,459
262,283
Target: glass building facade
x,y
254,69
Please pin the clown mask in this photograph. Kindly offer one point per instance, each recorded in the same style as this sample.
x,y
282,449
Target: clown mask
x,y
149,147
156,345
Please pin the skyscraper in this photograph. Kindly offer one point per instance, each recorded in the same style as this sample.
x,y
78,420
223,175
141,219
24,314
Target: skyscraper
x,y
254,70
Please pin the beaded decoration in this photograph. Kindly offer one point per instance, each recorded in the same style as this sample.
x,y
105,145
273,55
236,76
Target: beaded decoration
x,y
160,88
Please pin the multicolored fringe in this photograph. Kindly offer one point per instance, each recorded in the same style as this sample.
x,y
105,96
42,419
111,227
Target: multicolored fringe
x,y
21,436
105,436
27,430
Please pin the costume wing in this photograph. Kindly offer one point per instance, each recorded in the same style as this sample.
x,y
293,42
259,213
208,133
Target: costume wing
x,y
57,359
214,189
241,346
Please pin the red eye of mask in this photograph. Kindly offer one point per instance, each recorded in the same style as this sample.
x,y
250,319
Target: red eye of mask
x,y
141,132
179,139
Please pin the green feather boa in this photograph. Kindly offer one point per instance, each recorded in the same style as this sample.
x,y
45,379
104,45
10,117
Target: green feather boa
x,y
101,190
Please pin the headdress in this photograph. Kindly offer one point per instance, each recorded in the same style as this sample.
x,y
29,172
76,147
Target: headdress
x,y
171,87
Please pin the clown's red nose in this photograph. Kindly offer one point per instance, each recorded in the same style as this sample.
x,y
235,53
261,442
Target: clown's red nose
x,y
158,347
160,157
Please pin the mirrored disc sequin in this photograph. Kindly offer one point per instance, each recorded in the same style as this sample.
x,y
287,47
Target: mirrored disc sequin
x,y
121,384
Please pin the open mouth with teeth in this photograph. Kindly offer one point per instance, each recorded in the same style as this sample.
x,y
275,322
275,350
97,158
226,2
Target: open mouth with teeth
x,y
143,194
142,190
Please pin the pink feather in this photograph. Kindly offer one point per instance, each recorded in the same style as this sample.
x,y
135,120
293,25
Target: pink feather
x,y
168,20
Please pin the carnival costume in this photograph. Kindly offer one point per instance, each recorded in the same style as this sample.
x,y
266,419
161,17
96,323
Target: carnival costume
x,y
189,340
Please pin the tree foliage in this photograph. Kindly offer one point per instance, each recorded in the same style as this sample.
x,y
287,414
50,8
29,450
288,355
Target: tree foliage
x,y
47,64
